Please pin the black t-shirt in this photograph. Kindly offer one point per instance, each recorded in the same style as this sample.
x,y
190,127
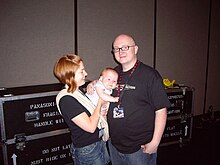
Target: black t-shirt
x,y
70,108
143,95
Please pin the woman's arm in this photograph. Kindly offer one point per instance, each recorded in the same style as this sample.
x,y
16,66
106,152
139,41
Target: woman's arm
x,y
87,123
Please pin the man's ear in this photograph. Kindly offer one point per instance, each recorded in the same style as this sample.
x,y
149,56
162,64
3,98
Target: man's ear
x,y
136,49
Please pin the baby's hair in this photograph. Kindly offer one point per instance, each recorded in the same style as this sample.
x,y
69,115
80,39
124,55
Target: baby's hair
x,y
107,69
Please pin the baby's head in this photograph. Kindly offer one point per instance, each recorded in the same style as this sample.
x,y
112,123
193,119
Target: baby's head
x,y
109,78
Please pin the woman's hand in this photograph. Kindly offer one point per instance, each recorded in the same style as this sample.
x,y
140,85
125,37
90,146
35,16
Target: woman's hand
x,y
102,102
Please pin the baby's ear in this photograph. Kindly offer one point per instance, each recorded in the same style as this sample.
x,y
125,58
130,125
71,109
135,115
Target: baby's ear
x,y
100,78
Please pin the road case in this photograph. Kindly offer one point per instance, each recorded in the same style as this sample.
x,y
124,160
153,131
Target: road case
x,y
32,130
178,128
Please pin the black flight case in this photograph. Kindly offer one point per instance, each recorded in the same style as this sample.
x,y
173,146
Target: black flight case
x,y
178,128
32,130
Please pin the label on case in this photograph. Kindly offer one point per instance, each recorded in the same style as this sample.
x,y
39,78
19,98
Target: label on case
x,y
31,116
49,150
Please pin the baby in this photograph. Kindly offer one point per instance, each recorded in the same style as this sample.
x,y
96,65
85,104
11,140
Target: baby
x,y
103,87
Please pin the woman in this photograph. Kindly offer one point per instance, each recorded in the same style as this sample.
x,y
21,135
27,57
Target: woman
x,y
82,117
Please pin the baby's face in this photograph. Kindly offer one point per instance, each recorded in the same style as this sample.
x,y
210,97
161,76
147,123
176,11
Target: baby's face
x,y
109,79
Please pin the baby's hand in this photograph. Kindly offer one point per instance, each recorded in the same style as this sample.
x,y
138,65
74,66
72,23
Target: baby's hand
x,y
116,99
104,110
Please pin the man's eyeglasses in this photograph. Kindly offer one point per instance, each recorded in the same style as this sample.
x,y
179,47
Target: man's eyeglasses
x,y
123,48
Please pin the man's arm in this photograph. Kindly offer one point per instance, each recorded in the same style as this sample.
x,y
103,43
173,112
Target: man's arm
x,y
160,123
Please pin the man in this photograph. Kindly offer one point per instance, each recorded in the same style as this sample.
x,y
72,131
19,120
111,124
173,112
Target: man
x,y
137,121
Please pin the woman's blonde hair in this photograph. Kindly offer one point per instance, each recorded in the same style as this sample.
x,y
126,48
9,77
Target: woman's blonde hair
x,y
65,69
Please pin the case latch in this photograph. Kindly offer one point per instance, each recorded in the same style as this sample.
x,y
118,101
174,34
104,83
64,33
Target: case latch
x,y
20,140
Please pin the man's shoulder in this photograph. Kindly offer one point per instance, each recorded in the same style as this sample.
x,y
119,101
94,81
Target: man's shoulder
x,y
146,67
148,71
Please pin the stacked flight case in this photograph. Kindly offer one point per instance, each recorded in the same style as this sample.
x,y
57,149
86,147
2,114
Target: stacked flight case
x,y
178,128
34,133
32,130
